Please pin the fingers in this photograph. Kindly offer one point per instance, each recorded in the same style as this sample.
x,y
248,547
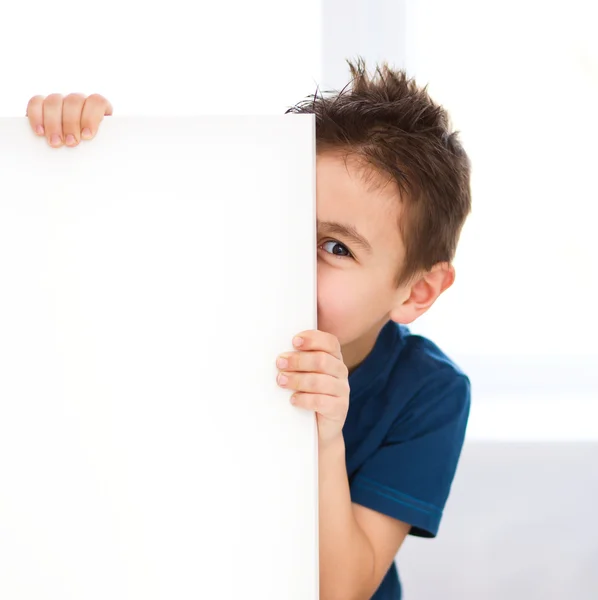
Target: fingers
x,y
318,376
318,368
314,339
36,115
313,383
330,407
67,120
316,362
72,107
52,119
94,110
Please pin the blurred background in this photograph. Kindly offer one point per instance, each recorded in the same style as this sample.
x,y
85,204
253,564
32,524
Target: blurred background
x,y
520,80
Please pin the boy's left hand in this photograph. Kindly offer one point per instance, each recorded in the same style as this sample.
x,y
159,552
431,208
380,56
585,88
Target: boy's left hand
x,y
318,375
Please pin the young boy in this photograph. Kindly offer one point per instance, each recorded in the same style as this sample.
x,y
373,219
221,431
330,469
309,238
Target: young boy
x,y
392,196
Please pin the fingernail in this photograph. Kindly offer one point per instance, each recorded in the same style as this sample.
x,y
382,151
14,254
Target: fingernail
x,y
282,379
297,341
55,140
86,133
39,130
70,139
282,363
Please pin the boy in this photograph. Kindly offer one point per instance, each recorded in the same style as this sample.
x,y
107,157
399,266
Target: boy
x,y
392,196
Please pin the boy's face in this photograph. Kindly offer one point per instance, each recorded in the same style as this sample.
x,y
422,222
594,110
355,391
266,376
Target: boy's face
x,y
356,289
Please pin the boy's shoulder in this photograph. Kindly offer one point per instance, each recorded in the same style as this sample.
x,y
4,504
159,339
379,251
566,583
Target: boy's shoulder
x,y
406,428
424,355
426,375
405,367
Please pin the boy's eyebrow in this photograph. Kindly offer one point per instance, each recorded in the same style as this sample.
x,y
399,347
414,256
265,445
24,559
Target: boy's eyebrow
x,y
347,231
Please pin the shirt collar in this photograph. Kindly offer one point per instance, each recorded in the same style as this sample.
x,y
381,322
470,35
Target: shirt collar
x,y
373,371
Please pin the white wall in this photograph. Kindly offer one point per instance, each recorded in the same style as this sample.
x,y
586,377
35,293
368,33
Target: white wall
x,y
376,30
179,58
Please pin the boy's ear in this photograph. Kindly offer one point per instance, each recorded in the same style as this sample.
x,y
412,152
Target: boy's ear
x,y
419,296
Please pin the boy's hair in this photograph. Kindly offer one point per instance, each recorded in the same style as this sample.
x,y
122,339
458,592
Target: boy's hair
x,y
392,125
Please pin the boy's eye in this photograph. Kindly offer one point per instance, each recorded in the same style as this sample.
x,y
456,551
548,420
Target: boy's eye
x,y
336,248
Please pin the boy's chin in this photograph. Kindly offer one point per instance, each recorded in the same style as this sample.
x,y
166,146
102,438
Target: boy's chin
x,y
327,327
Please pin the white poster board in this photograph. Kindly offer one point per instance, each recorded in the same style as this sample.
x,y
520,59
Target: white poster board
x,y
148,280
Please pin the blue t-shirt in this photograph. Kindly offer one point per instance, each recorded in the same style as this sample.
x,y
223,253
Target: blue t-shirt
x,y
408,411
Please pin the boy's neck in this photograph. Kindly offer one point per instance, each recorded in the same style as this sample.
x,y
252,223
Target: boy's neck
x,y
355,352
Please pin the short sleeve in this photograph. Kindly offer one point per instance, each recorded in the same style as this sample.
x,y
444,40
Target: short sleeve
x,y
410,475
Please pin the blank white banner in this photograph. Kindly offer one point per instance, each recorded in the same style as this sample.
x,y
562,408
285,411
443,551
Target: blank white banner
x,y
148,280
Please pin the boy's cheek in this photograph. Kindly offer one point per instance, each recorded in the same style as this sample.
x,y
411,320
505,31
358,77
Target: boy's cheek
x,y
348,308
337,317
347,304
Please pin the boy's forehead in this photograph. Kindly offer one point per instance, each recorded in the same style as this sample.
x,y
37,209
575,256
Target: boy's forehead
x,y
345,197
344,200
343,183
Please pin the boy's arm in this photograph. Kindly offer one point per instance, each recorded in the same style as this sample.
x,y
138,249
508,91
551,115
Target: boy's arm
x,y
357,544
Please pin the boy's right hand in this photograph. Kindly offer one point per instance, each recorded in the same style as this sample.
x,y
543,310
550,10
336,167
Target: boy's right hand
x,y
67,120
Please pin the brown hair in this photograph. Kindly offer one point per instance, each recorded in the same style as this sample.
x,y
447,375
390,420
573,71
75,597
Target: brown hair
x,y
394,126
